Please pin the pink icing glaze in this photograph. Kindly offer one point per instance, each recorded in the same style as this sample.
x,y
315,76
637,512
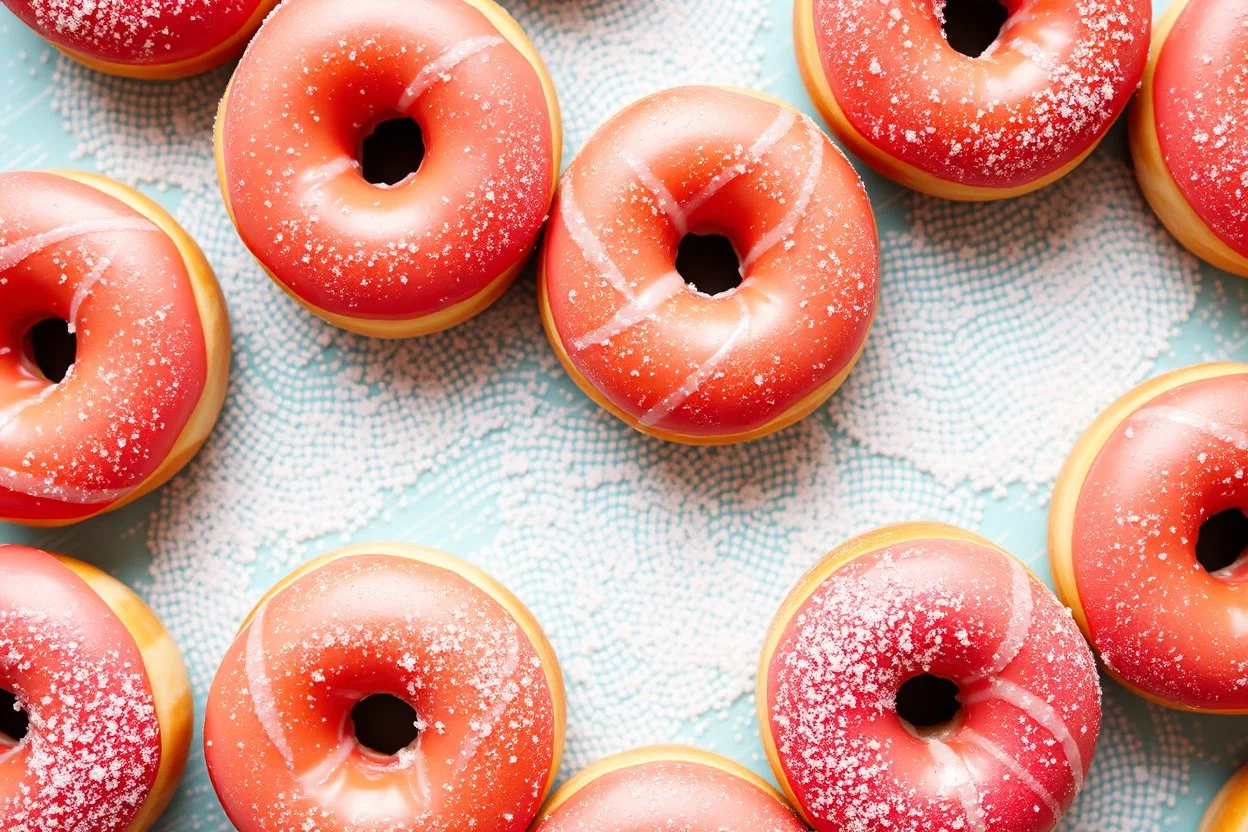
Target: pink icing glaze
x,y
93,750
1056,78
670,795
960,610
709,159
137,32
1158,619
277,735
71,448
1201,94
317,75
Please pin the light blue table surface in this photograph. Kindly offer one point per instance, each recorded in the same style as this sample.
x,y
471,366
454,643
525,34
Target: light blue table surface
x,y
1155,769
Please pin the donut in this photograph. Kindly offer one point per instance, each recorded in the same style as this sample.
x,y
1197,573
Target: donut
x,y
103,702
438,245
1128,512
283,738
678,363
667,787
155,39
1189,143
1015,118
1229,810
920,678
149,342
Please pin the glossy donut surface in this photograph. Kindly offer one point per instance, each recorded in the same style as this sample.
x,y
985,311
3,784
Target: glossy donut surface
x,y
667,788
152,346
398,620
1187,137
926,599
105,692
1015,118
441,244
1127,514
145,38
650,348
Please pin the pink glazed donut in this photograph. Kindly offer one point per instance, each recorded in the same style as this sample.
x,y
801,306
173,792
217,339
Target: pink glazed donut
x,y
893,624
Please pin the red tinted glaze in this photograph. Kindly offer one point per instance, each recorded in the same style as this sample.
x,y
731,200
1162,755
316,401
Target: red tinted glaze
x,y
67,250
278,741
137,32
313,82
1158,619
704,159
1053,82
960,610
670,795
93,749
1201,94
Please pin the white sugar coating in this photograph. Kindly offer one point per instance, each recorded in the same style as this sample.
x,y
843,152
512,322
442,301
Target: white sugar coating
x,y
94,740
1005,328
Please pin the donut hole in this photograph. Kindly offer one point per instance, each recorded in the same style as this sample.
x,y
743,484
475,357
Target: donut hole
x,y
384,724
708,263
971,26
928,706
1222,540
392,151
51,348
14,722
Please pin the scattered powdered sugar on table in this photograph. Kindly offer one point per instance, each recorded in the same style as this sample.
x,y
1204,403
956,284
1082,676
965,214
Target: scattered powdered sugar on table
x,y
654,568
1005,327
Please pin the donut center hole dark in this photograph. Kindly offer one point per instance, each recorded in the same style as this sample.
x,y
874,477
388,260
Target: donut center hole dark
x,y
708,263
928,706
384,724
52,348
971,26
1222,540
392,151
14,722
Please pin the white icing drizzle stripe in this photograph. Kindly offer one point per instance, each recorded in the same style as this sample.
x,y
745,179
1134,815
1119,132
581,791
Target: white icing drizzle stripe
x,y
775,132
667,202
963,782
587,241
23,482
87,284
1234,437
798,210
438,68
1022,607
1024,776
650,299
316,777
1040,712
260,688
699,376
14,253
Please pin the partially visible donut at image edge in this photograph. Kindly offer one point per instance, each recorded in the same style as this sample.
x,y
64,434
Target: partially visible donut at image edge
x,y
153,39
95,703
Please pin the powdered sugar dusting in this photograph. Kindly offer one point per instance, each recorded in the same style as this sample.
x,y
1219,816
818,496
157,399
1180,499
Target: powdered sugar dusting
x,y
1045,91
94,743
928,606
